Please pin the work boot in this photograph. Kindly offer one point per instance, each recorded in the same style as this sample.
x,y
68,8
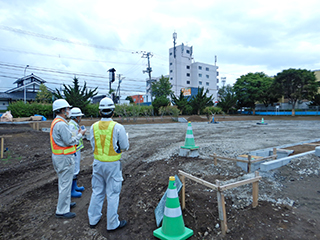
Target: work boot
x,y
79,189
66,215
74,193
121,225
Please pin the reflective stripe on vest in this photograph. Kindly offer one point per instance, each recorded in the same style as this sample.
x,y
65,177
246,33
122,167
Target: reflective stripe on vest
x,y
80,146
57,150
103,144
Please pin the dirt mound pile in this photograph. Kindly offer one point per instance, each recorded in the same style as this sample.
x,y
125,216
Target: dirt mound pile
x,y
196,118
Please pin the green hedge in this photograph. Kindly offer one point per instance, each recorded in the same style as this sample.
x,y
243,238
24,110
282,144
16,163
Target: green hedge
x,y
21,109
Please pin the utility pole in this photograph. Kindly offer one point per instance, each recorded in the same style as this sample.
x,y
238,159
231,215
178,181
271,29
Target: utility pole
x,y
120,80
24,83
175,62
148,55
111,79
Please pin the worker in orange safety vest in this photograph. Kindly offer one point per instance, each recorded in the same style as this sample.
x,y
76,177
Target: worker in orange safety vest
x,y
63,149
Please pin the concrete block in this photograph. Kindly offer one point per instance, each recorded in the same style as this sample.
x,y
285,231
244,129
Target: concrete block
x,y
317,151
267,166
188,152
244,166
182,120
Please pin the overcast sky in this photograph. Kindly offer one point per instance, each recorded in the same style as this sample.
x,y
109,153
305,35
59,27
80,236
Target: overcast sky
x,y
62,38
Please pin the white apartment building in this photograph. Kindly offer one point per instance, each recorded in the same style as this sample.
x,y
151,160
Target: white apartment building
x,y
188,75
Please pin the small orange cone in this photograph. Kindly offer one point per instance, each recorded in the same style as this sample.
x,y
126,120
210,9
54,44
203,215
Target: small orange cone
x,y
172,225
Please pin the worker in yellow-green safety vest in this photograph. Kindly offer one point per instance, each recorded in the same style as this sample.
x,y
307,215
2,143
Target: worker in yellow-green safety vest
x,y
108,139
63,146
76,115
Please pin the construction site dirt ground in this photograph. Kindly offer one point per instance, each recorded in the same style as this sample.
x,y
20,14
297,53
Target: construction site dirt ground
x,y
289,197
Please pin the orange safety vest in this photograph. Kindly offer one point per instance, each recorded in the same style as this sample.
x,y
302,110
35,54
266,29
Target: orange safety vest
x,y
58,150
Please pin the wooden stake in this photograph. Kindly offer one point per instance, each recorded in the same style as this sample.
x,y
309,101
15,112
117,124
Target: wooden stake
x,y
215,159
249,164
221,210
2,143
255,191
183,193
274,153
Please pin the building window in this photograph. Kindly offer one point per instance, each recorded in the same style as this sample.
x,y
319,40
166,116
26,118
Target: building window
x,y
170,64
200,68
217,80
171,71
188,67
207,69
207,83
170,53
188,51
207,76
188,74
200,75
217,87
188,82
171,78
217,73
200,83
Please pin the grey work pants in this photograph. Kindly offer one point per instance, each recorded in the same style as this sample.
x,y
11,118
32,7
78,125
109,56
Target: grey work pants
x,y
106,181
77,159
64,166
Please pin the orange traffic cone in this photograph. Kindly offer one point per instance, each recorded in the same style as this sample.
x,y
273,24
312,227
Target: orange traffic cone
x,y
172,226
189,141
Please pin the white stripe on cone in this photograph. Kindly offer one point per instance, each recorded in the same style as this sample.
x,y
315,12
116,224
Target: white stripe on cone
x,y
172,212
172,193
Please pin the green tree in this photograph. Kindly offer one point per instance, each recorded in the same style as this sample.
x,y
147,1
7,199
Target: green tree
x,y
77,96
181,102
295,85
269,96
159,102
228,98
161,90
200,101
161,87
315,101
250,88
44,95
130,99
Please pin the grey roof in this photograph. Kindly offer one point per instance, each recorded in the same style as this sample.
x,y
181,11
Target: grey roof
x,y
30,76
18,96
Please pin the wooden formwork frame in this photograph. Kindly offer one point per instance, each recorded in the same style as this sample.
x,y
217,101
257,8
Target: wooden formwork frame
x,y
220,196
36,126
249,161
2,143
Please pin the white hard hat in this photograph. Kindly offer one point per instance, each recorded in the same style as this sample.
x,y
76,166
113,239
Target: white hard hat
x,y
106,103
76,112
59,104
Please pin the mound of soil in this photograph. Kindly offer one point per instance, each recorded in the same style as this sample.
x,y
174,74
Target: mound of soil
x,y
197,118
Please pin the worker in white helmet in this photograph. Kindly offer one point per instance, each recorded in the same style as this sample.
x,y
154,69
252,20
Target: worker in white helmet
x,y
63,146
76,115
108,139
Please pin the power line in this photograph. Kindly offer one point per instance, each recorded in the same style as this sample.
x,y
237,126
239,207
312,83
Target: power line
x,y
61,56
20,31
56,72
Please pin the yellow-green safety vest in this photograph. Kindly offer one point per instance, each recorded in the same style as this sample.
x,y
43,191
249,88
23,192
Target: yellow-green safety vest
x,y
103,144
80,145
